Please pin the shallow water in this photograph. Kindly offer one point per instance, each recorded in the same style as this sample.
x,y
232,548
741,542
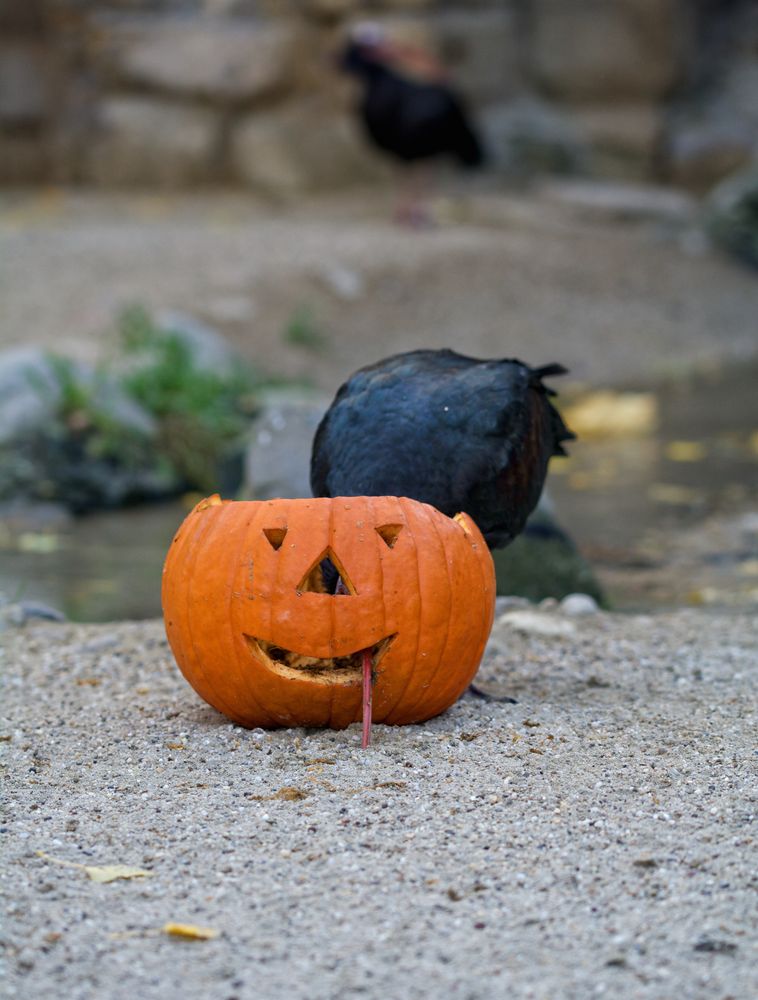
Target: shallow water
x,y
619,499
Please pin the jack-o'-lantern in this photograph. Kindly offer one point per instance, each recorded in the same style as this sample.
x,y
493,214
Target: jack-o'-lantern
x,y
272,606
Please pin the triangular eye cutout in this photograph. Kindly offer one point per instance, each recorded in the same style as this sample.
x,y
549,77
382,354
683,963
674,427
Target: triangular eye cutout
x,y
327,576
389,533
275,537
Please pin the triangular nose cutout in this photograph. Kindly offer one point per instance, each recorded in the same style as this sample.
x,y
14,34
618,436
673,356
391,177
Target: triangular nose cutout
x,y
388,533
275,537
327,576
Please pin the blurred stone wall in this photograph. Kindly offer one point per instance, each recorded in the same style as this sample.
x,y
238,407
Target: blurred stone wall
x,y
184,92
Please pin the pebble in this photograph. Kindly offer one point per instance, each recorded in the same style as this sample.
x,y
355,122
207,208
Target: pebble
x,y
578,604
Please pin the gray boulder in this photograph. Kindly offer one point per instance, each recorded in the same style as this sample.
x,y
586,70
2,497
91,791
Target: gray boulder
x,y
527,137
732,215
278,458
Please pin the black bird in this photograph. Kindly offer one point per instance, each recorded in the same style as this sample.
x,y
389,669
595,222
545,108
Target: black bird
x,y
456,432
413,120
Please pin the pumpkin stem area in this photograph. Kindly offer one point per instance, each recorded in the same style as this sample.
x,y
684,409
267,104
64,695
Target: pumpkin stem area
x,y
368,690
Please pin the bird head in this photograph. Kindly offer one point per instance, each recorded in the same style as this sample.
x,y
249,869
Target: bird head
x,y
363,49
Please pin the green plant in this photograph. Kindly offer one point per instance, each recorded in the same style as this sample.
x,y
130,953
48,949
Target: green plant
x,y
83,417
201,414
303,331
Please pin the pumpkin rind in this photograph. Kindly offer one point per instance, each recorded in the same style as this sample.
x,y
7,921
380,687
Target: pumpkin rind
x,y
425,583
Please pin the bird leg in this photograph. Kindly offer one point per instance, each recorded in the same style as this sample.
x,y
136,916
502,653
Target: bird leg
x,y
478,693
415,186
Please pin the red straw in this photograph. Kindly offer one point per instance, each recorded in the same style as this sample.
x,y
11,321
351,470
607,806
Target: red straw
x,y
367,693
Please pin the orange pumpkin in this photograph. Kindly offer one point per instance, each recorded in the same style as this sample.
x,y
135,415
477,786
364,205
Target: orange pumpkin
x,y
258,638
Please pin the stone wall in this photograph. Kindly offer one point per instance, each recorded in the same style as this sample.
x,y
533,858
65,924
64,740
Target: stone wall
x,y
186,92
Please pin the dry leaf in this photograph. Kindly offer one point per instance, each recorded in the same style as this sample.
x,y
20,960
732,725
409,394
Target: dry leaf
x,y
674,494
686,451
111,873
100,873
612,414
290,794
190,931
287,793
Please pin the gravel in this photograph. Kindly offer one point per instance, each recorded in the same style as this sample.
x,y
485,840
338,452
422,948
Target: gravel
x,y
596,838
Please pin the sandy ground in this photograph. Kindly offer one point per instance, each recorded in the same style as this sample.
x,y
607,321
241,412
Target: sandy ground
x,y
595,839
525,276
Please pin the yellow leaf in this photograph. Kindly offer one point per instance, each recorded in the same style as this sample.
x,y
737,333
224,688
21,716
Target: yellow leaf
x,y
36,541
686,451
290,794
190,931
607,414
100,873
110,873
672,493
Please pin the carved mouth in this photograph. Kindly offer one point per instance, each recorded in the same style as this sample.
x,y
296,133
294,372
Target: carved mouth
x,y
346,669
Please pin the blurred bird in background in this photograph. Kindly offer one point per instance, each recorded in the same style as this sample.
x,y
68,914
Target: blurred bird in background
x,y
409,110
456,432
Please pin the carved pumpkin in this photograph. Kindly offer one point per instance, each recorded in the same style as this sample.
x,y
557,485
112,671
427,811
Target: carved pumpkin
x,y
257,636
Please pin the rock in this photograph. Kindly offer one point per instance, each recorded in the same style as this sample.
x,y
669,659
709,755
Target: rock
x,y
578,604
481,49
624,139
32,393
27,18
503,604
280,153
537,623
29,392
62,424
24,84
596,50
17,615
526,137
146,141
732,215
543,563
629,202
24,159
698,155
343,282
330,10
219,58
209,349
278,458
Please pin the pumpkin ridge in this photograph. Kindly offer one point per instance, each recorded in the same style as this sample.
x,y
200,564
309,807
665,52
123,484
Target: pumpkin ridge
x,y
199,538
387,714
441,659
250,530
